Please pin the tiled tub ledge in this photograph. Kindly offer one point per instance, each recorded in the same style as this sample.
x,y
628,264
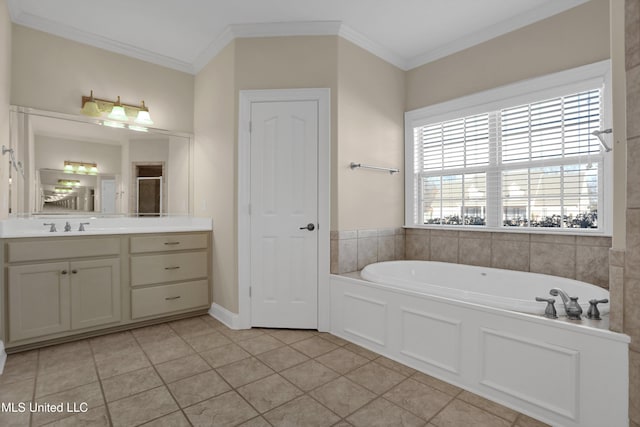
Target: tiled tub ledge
x,y
33,226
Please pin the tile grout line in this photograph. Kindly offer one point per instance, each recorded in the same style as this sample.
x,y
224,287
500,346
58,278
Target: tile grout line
x,y
162,379
35,385
104,397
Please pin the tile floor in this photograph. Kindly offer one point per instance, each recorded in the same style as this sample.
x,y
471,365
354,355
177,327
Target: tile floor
x,y
198,372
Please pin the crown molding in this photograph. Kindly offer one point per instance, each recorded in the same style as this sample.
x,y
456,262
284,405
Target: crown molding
x,y
372,47
84,37
545,11
283,29
270,29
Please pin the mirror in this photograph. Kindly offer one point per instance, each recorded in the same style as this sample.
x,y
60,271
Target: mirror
x,y
77,165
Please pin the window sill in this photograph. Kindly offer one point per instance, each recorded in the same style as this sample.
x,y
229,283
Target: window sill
x,y
522,230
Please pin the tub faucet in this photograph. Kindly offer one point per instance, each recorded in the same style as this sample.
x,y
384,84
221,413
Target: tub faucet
x,y
571,306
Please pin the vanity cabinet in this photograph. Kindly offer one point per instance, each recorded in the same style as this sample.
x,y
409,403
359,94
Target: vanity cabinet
x,y
55,297
68,294
57,287
169,273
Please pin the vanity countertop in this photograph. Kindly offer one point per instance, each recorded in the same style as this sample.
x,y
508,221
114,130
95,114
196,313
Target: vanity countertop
x,y
33,226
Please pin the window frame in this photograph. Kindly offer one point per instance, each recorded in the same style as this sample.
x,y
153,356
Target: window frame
x,y
524,92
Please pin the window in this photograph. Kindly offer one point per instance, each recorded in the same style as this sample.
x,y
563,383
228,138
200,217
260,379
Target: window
x,y
514,158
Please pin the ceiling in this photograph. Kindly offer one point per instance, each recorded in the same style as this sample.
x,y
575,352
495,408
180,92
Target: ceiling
x,y
186,35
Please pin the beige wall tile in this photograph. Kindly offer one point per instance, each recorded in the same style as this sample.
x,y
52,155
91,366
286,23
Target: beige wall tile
x,y
417,246
632,311
633,169
399,252
367,251
386,247
616,298
552,238
347,255
510,254
518,237
632,254
633,102
334,244
553,258
372,232
592,265
616,257
632,35
593,241
444,248
475,251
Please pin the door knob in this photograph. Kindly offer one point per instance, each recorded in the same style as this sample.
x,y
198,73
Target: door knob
x,y
309,227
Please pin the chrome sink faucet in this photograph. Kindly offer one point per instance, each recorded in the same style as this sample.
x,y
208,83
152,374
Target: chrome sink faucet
x,y
571,306
53,226
67,226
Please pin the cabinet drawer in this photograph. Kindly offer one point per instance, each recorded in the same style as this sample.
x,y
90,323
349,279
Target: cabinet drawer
x,y
169,242
150,269
165,299
46,248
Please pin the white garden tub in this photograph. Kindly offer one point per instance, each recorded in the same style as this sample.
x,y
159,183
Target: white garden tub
x,y
466,325
492,287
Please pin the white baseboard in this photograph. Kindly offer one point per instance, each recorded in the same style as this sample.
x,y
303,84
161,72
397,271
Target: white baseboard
x,y
230,319
3,357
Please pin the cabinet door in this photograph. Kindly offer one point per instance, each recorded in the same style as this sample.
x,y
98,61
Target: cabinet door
x,y
95,292
38,300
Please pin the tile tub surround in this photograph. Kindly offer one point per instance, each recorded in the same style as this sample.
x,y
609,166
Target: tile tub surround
x,y
584,258
351,250
251,377
628,286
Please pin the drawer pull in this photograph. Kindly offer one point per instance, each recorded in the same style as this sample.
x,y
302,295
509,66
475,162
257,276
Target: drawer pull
x,y
172,268
63,272
170,298
172,243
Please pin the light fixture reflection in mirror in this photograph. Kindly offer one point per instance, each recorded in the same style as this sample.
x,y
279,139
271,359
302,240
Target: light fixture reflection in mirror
x,y
58,144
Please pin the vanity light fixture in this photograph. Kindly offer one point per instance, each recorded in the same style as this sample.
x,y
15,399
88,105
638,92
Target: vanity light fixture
x,y
116,110
69,182
143,117
90,107
80,167
138,128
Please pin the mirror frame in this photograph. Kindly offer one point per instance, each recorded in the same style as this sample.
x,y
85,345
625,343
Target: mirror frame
x,y
21,153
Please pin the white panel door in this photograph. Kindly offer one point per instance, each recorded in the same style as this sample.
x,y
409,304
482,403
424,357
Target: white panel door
x,y
284,212
108,198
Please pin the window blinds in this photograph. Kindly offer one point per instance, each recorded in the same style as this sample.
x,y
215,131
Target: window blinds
x,y
532,165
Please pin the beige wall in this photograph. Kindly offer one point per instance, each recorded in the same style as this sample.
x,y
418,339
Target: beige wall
x,y
52,73
264,63
215,159
293,62
370,131
5,92
367,97
576,37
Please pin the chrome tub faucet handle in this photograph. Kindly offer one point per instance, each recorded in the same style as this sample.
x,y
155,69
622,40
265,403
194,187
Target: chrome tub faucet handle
x,y
550,310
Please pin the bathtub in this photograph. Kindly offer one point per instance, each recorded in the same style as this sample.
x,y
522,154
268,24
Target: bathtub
x,y
492,287
475,331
